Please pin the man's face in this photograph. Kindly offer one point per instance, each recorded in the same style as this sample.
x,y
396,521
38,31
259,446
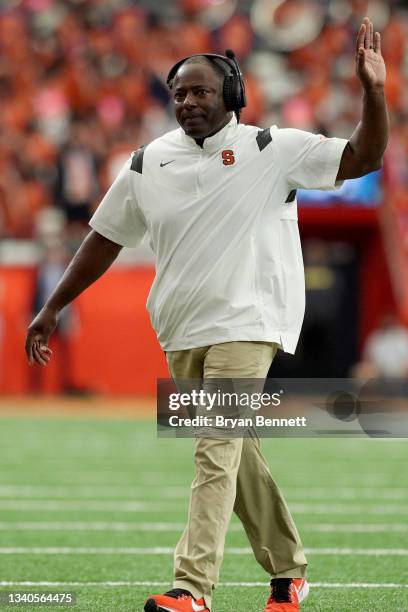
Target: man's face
x,y
198,100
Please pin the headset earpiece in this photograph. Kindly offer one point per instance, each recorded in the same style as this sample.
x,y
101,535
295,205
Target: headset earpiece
x,y
229,93
239,93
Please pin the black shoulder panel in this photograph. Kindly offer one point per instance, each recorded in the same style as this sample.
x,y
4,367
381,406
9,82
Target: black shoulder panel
x,y
291,196
264,138
137,160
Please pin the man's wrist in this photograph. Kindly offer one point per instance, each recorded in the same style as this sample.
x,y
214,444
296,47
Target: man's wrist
x,y
374,90
52,308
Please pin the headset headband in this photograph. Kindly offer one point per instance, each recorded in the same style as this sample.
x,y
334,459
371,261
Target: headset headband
x,y
234,88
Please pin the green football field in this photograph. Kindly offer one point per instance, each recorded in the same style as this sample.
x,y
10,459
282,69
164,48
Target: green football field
x,y
94,505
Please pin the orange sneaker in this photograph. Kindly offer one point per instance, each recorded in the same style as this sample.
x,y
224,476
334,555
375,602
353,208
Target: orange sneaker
x,y
176,600
286,594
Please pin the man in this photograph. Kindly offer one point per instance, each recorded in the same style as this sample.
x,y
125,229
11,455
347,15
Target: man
x,y
217,200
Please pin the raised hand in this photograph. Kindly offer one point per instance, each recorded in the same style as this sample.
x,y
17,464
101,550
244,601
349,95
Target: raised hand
x,y
370,66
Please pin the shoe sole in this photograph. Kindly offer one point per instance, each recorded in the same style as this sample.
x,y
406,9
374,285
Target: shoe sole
x,y
151,606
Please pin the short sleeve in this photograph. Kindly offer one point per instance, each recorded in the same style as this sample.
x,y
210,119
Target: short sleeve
x,y
118,216
310,161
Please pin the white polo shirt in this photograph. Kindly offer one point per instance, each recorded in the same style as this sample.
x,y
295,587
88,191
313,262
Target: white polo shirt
x,y
222,223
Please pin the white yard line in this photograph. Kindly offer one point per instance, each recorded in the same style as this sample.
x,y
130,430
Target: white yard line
x,y
96,526
154,490
93,505
326,585
89,491
166,550
100,475
170,527
353,493
158,506
355,528
346,508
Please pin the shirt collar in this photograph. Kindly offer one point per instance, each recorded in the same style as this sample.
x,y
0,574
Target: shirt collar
x,y
212,143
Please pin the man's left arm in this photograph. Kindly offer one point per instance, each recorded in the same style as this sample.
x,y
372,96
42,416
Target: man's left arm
x,y
364,151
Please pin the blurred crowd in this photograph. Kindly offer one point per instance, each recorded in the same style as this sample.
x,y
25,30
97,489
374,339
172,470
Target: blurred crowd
x,y
82,84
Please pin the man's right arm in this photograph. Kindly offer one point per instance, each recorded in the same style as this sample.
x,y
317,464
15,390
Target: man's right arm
x,y
93,258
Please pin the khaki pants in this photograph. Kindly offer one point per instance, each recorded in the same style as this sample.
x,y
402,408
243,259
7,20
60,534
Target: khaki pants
x,y
232,475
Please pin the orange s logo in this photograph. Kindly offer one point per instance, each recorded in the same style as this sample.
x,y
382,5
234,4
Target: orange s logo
x,y
228,157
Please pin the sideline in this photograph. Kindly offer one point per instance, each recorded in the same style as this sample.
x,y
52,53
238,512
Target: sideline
x,y
324,585
167,550
93,406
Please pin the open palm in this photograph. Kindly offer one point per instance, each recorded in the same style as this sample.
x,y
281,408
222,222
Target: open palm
x,y
370,66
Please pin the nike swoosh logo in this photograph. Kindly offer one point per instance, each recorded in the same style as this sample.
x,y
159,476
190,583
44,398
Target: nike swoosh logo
x,y
197,608
165,164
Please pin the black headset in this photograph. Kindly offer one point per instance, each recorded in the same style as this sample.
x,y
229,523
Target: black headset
x,y
233,88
